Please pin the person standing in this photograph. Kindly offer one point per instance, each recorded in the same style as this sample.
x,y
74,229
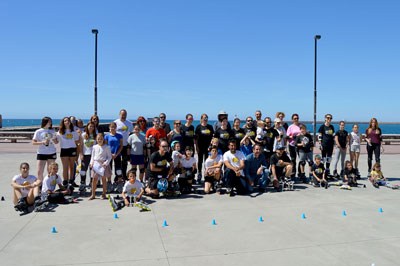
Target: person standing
x,y
156,132
124,127
342,143
238,133
203,136
224,134
249,128
188,133
258,115
292,132
88,140
137,151
221,116
164,125
326,137
373,136
270,136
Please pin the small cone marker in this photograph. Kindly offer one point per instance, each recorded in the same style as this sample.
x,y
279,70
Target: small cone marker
x,y
2,199
260,219
344,213
380,210
116,216
53,230
165,223
303,216
213,222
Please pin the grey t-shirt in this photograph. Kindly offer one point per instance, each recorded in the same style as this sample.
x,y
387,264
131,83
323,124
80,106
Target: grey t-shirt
x,y
137,143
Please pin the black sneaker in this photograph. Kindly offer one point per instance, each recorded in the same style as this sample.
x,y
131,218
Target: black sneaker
x,y
326,185
375,184
229,191
73,184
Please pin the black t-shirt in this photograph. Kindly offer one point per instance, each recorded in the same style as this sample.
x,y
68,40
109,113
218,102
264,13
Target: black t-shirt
x,y
327,135
318,170
275,159
350,174
177,137
224,136
204,135
251,132
269,138
160,162
342,137
166,127
238,135
188,136
307,142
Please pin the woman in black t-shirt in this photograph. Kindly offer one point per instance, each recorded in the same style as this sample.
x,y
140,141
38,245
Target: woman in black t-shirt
x,y
203,135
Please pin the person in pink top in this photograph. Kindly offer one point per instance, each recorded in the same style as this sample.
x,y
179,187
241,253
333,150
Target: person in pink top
x,y
292,131
373,135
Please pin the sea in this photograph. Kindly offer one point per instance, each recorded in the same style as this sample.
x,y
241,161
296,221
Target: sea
x,y
386,128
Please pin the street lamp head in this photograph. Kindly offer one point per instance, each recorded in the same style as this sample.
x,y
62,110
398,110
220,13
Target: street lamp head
x,y
95,31
317,37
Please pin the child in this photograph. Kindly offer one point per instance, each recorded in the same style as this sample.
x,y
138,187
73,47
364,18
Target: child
x,y
377,179
214,142
319,174
131,193
101,158
304,143
355,139
189,169
26,189
213,169
350,175
49,186
246,145
260,132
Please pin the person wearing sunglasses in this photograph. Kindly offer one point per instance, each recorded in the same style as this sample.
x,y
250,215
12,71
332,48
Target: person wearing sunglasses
x,y
176,134
250,128
156,131
160,166
292,132
270,134
142,123
164,125
326,137
203,135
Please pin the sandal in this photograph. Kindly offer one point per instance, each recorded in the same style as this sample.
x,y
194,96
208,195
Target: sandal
x,y
103,197
91,198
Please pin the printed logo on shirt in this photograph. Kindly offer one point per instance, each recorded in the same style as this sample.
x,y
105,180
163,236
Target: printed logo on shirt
x,y
329,132
269,135
133,190
251,133
124,128
215,163
206,132
69,136
239,135
318,170
224,136
162,163
54,182
89,142
305,141
190,133
26,183
48,136
235,159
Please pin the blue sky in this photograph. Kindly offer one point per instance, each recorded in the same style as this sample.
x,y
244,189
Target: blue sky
x,y
192,56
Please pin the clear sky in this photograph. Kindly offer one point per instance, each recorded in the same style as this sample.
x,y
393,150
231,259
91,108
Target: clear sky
x,y
195,56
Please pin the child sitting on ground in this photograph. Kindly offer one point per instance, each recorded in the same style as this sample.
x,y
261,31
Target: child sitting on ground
x,y
350,175
213,170
26,189
377,179
319,174
49,187
131,193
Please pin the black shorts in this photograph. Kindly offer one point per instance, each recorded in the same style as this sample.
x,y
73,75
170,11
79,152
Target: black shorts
x,y
71,152
209,179
45,157
153,183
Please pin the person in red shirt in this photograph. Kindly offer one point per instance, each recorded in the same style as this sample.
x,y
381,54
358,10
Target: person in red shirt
x,y
156,131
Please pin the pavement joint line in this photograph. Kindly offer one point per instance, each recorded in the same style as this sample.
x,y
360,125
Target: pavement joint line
x,y
101,262
162,241
19,231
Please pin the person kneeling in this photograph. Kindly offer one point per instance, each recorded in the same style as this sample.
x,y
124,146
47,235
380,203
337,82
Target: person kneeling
x,y
256,170
213,170
319,173
281,167
350,175
49,187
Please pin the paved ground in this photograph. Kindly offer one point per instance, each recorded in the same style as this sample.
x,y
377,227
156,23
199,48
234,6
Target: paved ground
x,y
88,234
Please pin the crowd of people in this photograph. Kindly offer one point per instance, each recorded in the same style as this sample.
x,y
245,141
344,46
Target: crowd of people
x,y
230,158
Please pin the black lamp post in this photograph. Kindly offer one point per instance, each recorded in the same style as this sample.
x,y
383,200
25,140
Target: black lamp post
x,y
95,32
316,37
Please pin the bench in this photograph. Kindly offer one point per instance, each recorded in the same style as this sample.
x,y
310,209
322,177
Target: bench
x,y
14,139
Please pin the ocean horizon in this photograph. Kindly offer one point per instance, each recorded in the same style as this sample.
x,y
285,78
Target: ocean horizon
x,y
386,128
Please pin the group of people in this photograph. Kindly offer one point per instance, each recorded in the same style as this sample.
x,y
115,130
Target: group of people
x,y
230,158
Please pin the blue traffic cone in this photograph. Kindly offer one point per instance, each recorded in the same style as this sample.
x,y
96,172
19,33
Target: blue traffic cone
x,y
303,216
116,216
344,213
260,219
213,222
165,223
53,230
380,210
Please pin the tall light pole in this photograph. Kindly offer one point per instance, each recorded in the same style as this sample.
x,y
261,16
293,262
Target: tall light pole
x,y
316,37
95,32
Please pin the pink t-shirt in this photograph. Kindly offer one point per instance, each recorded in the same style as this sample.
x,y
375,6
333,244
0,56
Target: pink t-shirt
x,y
293,131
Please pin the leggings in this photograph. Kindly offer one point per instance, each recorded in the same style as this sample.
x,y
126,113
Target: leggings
x,y
293,155
373,148
202,156
342,155
327,155
84,168
117,170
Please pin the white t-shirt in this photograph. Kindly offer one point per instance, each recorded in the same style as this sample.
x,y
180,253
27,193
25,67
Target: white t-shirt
x,y
282,133
101,153
355,139
187,163
67,140
137,143
24,182
175,158
50,183
234,159
132,189
124,128
42,135
211,162
260,133
88,144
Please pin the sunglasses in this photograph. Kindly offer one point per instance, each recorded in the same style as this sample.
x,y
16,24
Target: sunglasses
x,y
164,146
205,118
178,124
329,118
249,120
296,118
162,117
156,122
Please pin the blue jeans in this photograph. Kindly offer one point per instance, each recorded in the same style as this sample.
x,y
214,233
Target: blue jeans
x,y
260,180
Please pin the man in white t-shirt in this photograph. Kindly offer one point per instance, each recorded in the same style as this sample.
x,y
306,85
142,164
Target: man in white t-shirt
x,y
234,162
124,127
